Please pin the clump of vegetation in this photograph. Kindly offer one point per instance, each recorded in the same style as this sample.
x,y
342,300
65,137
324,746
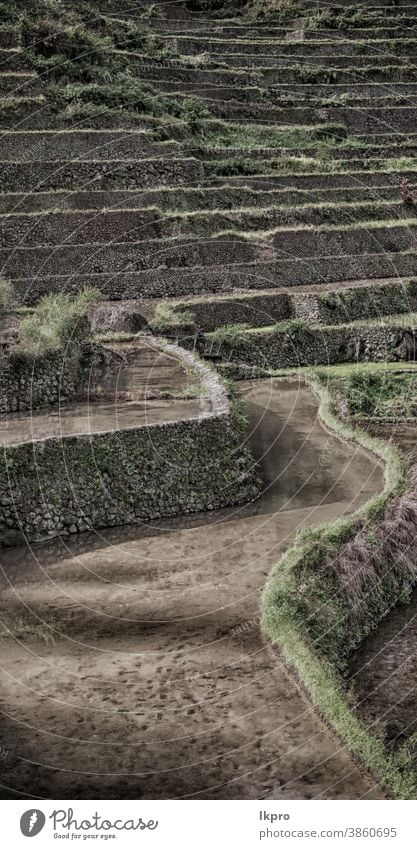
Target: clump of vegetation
x,y
167,318
292,328
280,11
231,334
242,135
9,13
380,394
85,55
58,322
130,95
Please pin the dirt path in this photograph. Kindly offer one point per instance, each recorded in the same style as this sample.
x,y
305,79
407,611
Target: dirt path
x,y
135,667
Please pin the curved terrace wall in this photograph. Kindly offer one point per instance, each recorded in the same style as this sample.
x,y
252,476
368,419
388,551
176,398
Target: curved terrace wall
x,y
70,484
334,586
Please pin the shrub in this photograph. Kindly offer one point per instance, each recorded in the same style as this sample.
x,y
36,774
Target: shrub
x,y
166,318
292,327
129,94
58,322
372,393
231,333
77,45
69,51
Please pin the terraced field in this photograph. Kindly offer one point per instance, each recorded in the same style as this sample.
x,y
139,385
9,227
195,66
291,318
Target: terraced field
x,y
294,138
246,186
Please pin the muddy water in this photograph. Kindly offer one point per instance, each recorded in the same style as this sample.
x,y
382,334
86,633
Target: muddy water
x,y
98,418
132,663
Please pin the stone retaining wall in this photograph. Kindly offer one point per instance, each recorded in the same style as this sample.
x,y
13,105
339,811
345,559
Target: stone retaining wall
x,y
29,382
302,346
124,256
132,282
57,486
330,307
355,304
255,310
71,145
23,176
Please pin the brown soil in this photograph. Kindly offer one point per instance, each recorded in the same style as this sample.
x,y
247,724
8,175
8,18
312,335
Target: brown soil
x,y
132,661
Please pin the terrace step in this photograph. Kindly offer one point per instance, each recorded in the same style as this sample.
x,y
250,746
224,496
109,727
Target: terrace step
x,y
395,30
24,112
34,113
356,120
326,47
9,37
190,199
344,152
170,13
272,63
298,165
374,237
13,59
20,84
166,282
321,304
245,29
97,258
130,225
367,237
85,145
103,174
261,31
320,180
300,93
301,75
398,28
384,6
57,228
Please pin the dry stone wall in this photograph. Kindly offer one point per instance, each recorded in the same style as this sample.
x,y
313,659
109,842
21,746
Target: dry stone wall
x,y
58,486
30,382
302,346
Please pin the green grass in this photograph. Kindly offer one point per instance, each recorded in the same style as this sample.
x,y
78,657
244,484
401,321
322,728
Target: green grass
x,y
314,165
225,134
230,333
167,318
284,616
58,322
77,50
300,325
381,394
114,336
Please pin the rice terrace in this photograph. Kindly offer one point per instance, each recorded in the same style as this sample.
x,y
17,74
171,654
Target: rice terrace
x,y
208,399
